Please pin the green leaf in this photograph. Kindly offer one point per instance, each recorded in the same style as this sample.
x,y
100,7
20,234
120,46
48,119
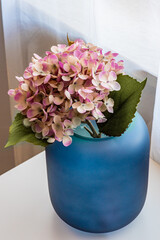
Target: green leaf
x,y
19,133
125,105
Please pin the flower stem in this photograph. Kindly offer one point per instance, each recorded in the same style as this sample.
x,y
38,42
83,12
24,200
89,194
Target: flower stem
x,y
93,133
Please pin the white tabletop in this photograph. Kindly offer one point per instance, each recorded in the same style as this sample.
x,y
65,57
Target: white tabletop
x,y
26,212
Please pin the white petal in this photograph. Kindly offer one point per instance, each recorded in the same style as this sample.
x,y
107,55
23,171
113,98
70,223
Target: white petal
x,y
115,85
51,140
82,76
67,94
20,79
51,98
66,78
89,106
24,87
81,109
26,122
54,49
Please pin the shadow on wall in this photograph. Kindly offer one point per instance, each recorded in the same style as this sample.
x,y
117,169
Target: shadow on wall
x,y
37,32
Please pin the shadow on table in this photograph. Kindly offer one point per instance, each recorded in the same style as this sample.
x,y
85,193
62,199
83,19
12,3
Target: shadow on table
x,y
64,231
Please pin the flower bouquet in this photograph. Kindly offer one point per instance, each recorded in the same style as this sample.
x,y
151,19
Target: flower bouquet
x,y
71,85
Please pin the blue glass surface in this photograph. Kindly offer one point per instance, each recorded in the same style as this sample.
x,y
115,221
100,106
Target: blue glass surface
x,y
100,185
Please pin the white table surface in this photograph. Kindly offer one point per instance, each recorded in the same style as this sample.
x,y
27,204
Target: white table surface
x,y
26,212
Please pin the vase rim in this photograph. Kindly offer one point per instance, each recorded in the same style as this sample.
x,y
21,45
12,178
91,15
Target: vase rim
x,y
93,139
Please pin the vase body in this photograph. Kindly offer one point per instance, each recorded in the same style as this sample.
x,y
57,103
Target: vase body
x,y
100,185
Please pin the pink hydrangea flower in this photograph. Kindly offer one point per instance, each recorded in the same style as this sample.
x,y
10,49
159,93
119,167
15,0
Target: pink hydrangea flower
x,y
67,86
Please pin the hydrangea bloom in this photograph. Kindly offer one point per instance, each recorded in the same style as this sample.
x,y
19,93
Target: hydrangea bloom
x,y
69,85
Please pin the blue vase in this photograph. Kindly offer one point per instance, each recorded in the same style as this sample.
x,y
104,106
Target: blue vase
x,y
100,185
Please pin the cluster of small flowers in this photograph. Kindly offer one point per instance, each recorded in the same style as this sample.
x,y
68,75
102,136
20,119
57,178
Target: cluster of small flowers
x,y
67,86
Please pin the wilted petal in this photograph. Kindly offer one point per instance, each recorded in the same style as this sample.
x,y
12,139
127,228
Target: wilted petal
x,y
58,130
45,131
76,121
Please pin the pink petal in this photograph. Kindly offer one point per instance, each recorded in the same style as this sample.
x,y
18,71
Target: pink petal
x,y
66,67
53,58
47,78
45,131
101,120
67,123
44,119
32,113
74,69
58,100
105,85
71,89
67,141
38,129
103,76
11,92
